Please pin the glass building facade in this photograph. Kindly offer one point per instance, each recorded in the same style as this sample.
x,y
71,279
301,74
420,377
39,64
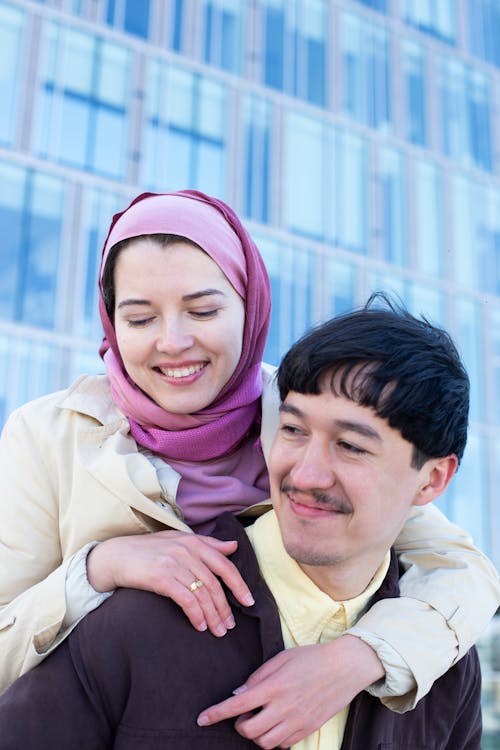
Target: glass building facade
x,y
360,142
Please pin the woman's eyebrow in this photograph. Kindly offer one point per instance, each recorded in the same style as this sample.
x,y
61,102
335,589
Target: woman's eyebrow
x,y
185,298
202,293
132,301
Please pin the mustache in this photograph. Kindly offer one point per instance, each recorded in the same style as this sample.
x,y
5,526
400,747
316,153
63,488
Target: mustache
x,y
328,502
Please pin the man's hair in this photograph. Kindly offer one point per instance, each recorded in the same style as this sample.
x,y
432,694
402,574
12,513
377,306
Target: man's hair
x,y
406,369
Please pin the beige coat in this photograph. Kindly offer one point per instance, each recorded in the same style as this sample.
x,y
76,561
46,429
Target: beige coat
x,y
70,473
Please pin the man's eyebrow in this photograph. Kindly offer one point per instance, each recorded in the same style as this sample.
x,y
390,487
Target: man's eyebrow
x,y
344,424
360,427
185,298
290,409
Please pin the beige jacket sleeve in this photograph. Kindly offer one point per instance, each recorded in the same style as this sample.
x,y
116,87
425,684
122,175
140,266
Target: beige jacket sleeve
x,y
65,480
449,592
32,573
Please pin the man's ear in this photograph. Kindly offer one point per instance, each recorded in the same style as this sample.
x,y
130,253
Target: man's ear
x,y
439,472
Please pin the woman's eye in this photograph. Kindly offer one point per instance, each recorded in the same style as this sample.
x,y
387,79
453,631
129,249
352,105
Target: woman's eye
x,y
201,314
139,323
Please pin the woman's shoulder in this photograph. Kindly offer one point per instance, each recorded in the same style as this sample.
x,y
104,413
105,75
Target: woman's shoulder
x,y
88,395
270,407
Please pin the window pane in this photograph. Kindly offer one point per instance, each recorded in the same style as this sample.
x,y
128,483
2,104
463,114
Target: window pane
x,y
414,77
351,180
428,218
434,17
365,79
44,244
81,116
12,221
391,223
224,39
11,25
257,158
304,175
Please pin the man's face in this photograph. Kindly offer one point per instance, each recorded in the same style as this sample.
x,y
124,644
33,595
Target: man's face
x,y
341,485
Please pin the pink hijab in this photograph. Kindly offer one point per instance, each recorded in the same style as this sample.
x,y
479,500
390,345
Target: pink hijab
x,y
215,449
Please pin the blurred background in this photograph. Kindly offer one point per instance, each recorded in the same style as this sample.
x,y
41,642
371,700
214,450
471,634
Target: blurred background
x,y
359,141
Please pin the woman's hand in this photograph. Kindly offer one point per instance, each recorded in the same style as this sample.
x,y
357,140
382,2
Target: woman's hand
x,y
167,563
298,690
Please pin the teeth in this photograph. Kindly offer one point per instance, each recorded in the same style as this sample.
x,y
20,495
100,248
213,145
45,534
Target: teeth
x,y
181,372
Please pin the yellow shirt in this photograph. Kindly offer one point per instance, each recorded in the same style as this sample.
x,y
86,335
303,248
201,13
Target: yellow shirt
x,y
307,614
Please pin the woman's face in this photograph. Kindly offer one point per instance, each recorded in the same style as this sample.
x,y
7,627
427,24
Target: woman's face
x,y
179,323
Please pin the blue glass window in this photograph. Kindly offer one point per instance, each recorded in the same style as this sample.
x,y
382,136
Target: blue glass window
x,y
11,28
339,288
224,41
257,158
465,495
82,106
274,44
434,17
294,37
428,218
493,328
28,369
306,172
415,86
31,209
97,209
476,240
365,72
468,334
130,16
391,211
484,29
380,5
465,113
185,131
350,174
291,274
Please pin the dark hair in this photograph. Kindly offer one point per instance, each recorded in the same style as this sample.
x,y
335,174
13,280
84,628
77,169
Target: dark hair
x,y
108,274
406,369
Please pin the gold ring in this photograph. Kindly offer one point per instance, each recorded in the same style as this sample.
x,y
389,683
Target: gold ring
x,y
195,585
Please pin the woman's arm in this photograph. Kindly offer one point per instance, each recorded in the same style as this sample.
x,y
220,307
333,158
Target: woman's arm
x,y
449,593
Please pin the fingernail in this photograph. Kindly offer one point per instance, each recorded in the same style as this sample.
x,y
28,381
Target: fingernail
x,y
229,622
220,630
248,600
202,720
240,689
202,627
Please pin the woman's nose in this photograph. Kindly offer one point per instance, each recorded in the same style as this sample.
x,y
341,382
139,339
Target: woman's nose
x,y
313,469
174,338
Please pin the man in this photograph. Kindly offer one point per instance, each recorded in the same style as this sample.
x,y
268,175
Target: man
x,y
373,421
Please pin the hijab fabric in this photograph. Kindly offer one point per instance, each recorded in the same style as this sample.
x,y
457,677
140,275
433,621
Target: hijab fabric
x,y
232,419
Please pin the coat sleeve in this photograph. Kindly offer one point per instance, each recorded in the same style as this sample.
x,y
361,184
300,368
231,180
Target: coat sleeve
x,y
32,569
449,592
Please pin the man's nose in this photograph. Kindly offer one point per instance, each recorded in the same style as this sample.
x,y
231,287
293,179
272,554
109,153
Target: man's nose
x,y
314,468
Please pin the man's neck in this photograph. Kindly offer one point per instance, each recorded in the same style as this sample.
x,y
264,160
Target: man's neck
x,y
346,579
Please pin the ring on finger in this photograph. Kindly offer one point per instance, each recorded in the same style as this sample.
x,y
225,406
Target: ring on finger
x,y
195,585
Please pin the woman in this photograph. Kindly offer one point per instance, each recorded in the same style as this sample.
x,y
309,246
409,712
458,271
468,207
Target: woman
x,y
169,439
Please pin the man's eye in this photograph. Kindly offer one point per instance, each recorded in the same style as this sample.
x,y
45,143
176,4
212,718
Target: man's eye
x,y
290,429
350,448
